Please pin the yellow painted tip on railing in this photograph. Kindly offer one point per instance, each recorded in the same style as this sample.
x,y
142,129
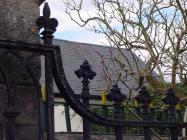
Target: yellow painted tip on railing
x,y
178,106
151,105
44,92
124,104
34,29
103,95
135,103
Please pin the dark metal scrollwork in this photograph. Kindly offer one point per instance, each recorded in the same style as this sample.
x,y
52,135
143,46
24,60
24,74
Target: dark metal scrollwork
x,y
17,70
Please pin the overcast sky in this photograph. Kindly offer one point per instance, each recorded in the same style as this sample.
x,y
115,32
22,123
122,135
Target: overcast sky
x,y
68,30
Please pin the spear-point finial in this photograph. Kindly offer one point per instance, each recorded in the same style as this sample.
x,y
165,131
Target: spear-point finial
x,y
46,10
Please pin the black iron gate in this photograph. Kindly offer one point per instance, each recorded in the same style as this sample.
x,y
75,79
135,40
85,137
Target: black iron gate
x,y
54,70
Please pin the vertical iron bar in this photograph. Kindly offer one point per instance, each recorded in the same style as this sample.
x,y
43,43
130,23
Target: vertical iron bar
x,y
11,129
171,100
50,97
117,97
145,99
67,116
172,117
86,73
179,118
86,123
146,116
49,25
85,99
105,114
118,115
12,111
123,117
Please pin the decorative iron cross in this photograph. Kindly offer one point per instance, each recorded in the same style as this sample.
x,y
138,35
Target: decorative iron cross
x,y
87,74
170,98
85,71
143,97
116,95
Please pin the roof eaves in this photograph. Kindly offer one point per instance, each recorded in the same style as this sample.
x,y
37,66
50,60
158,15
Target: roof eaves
x,y
40,2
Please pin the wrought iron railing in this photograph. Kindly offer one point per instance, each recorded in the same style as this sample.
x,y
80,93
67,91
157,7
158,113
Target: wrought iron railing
x,y
130,113
54,70
115,95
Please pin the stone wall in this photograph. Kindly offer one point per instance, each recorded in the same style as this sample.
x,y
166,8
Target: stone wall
x,y
18,20
18,24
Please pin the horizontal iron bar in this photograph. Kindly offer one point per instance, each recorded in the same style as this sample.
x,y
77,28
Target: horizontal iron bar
x,y
92,97
20,46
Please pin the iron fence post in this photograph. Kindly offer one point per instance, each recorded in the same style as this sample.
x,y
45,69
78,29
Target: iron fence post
x,y
67,116
86,73
152,112
105,114
171,100
145,99
11,113
49,25
117,97
146,116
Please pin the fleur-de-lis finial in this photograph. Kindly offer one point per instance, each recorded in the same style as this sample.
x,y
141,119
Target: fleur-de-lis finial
x,y
49,24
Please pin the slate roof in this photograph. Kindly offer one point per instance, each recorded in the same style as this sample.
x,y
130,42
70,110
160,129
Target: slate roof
x,y
41,1
75,53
